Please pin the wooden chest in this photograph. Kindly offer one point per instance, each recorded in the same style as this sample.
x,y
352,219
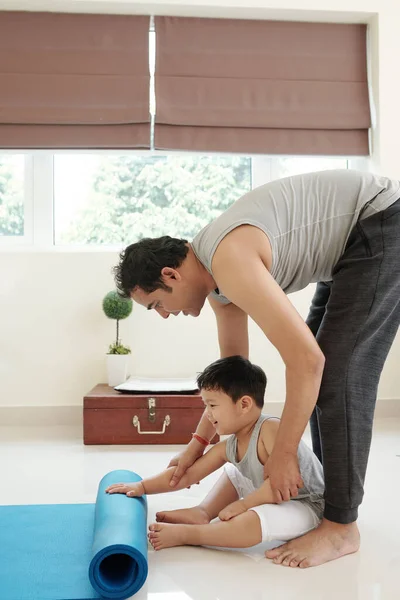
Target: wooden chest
x,y
110,417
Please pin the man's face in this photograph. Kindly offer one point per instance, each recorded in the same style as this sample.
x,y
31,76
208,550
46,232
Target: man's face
x,y
183,298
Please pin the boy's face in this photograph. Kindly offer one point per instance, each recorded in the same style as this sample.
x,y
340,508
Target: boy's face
x,y
222,412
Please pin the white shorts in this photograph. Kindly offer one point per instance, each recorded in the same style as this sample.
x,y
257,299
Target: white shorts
x,y
281,522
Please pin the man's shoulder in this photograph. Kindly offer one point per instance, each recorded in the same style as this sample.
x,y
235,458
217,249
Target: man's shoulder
x,y
243,241
243,233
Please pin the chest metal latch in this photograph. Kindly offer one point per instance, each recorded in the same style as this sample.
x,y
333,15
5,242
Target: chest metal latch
x,y
151,403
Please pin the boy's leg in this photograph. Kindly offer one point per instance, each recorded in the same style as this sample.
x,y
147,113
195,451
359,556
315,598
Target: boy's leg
x,y
265,523
222,494
242,531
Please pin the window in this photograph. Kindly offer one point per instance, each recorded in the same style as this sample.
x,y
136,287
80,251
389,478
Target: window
x,y
96,199
118,199
12,196
112,199
285,167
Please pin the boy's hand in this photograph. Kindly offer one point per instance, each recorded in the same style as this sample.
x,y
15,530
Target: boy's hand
x,y
283,472
130,489
232,510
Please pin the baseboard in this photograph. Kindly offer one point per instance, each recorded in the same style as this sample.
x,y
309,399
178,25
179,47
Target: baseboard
x,y
42,416
387,408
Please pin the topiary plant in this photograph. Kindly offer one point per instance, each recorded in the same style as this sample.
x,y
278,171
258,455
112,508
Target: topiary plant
x,y
117,308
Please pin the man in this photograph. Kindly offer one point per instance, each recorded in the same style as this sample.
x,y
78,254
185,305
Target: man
x,y
340,229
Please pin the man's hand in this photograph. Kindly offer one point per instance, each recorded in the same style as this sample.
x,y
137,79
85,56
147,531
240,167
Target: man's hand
x,y
232,510
282,469
184,460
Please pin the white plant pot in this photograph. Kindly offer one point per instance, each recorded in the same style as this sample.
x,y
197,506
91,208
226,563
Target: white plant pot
x,y
117,368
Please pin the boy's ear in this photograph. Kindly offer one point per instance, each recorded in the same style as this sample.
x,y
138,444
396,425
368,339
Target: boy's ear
x,y
246,403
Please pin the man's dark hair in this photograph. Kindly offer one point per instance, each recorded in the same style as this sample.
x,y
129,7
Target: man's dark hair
x,y
236,377
140,264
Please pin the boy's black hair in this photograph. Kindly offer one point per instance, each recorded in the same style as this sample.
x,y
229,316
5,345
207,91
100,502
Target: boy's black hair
x,y
140,264
236,377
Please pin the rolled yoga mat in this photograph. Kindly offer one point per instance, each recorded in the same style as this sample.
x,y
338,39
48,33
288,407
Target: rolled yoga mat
x,y
75,551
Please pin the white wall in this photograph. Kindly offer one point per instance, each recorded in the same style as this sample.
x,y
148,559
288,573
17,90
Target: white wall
x,y
53,334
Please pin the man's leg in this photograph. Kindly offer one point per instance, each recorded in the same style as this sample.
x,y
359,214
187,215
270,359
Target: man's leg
x,y
222,494
314,320
361,321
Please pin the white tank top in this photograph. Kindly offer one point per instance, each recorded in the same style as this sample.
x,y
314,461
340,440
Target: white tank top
x,y
307,218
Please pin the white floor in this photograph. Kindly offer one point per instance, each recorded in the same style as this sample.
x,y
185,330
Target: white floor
x,y
52,466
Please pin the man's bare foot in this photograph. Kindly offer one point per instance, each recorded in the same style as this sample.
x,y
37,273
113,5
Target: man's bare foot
x,y
166,535
190,516
328,542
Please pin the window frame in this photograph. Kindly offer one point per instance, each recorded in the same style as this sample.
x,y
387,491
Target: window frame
x,y
39,212
11,241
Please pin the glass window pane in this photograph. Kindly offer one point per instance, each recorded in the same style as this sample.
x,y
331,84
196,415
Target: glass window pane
x,y
12,173
295,165
119,199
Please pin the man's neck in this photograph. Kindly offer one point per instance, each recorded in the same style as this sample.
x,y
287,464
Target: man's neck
x,y
205,277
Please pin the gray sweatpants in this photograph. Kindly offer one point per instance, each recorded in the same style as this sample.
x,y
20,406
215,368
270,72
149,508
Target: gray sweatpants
x,y
355,318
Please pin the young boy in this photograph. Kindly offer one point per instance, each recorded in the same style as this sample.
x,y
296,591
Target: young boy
x,y
233,393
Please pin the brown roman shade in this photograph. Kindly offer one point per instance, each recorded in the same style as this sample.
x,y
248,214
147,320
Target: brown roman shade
x,y
261,87
74,81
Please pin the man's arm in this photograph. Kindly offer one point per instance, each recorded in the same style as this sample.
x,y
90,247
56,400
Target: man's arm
x,y
244,278
233,339
204,429
240,270
159,484
232,324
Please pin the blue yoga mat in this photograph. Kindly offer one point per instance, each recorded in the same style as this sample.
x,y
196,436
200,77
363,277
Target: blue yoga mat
x,y
75,551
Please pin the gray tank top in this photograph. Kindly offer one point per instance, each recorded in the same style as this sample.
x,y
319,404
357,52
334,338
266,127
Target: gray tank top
x,y
307,218
310,468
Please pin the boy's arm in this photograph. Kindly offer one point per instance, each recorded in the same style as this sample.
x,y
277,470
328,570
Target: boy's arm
x,y
263,495
209,462
206,464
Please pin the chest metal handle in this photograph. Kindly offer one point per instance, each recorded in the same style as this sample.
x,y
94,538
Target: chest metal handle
x,y
136,423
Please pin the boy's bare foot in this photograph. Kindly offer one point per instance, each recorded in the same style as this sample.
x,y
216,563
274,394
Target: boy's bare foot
x,y
166,535
328,542
190,516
